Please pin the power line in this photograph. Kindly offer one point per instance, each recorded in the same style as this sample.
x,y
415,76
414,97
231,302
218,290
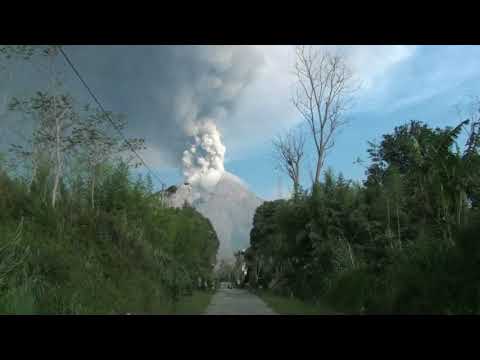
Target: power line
x,y
107,115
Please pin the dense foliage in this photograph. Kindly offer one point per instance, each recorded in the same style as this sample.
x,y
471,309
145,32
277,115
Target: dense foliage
x,y
404,241
129,254
79,233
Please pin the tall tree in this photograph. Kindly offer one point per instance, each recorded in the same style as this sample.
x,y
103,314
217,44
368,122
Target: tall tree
x,y
55,117
325,86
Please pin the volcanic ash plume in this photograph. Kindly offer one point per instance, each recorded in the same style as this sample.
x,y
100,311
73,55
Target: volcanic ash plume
x,y
218,195
203,162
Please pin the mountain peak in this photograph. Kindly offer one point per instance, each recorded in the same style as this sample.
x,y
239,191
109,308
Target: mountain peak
x,y
229,205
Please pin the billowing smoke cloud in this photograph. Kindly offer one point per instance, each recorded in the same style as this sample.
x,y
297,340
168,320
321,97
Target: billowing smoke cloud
x,y
203,161
165,91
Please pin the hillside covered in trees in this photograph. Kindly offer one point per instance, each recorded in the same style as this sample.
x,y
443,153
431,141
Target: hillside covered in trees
x,y
80,232
406,240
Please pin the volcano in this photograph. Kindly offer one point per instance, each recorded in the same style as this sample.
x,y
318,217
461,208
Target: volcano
x,y
229,205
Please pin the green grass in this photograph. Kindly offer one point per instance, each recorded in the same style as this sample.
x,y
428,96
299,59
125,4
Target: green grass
x,y
292,306
195,304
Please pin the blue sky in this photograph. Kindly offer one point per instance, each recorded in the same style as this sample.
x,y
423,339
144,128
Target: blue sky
x,y
426,85
247,91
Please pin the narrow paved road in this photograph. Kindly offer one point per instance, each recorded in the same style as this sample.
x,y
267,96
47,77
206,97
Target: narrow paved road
x,y
237,302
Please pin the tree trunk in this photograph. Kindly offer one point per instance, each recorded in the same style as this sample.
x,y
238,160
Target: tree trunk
x,y
350,253
57,136
92,189
55,188
58,167
295,189
319,169
398,228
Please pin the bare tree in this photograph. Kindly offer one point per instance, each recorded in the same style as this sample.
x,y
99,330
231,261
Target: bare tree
x,y
55,116
98,144
325,86
289,151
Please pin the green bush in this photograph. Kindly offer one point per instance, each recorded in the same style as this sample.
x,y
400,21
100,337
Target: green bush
x,y
405,241
130,254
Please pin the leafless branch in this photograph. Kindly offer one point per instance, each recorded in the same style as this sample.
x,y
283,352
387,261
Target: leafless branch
x,y
325,87
289,151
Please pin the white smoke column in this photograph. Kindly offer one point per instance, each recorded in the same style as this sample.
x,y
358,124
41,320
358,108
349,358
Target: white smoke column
x,y
203,162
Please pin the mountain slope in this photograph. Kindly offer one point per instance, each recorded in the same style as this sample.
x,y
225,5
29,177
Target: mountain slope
x,y
229,206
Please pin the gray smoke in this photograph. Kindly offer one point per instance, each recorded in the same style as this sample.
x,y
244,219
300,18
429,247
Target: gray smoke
x,y
165,91
203,162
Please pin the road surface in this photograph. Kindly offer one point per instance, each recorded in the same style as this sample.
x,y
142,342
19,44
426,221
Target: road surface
x,y
237,302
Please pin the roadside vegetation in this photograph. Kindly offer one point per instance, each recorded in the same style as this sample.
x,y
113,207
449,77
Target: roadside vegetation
x,y
81,231
405,240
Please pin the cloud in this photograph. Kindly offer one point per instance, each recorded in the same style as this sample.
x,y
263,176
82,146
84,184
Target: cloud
x,y
449,72
265,108
165,91
372,62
